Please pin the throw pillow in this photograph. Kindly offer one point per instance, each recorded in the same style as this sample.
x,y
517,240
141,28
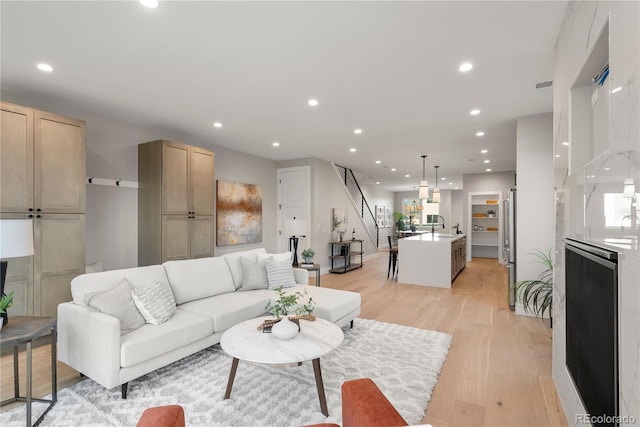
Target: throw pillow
x,y
280,275
254,274
117,302
283,258
155,302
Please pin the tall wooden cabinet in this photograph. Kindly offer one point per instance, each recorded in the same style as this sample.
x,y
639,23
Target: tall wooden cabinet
x,y
175,202
42,176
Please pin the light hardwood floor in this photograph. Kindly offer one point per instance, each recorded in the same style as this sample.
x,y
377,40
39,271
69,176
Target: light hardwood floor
x,y
497,372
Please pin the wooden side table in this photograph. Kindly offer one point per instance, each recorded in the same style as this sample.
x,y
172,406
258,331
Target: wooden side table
x,y
316,268
25,329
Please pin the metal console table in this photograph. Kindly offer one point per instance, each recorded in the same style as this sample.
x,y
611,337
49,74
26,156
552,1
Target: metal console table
x,y
345,253
25,329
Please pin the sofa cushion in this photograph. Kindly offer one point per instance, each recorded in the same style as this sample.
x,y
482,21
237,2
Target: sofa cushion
x,y
228,309
279,274
254,274
155,303
137,277
233,261
117,302
330,304
193,279
285,257
151,341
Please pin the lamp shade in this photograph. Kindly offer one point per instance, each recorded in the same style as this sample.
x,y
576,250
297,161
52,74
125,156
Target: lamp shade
x,y
295,227
431,209
436,195
16,238
423,192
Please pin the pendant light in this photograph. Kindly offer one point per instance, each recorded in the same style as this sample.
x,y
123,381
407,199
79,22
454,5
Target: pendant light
x,y
436,191
423,193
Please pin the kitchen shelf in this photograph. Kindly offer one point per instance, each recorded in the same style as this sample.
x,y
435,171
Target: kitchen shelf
x,y
484,231
494,245
484,243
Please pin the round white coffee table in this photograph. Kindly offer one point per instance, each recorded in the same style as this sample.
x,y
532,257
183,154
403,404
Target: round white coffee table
x,y
316,338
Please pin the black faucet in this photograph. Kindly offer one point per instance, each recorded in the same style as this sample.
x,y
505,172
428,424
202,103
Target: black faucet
x,y
433,223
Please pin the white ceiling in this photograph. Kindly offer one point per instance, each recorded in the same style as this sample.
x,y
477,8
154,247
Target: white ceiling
x,y
390,68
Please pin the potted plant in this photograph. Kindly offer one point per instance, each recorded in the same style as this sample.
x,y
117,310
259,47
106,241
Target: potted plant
x,y
491,213
5,302
288,304
399,218
537,294
308,254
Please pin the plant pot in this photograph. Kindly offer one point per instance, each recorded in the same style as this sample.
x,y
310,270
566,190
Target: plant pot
x,y
285,329
5,318
308,260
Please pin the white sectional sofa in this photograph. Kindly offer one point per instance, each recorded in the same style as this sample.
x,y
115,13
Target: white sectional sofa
x,y
207,301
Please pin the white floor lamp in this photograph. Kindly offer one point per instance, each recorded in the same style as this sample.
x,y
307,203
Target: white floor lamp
x,y
16,240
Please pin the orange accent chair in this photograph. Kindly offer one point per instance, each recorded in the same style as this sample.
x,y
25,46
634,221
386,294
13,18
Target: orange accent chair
x,y
162,416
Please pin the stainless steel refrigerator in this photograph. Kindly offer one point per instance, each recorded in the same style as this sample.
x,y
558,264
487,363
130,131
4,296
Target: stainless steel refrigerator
x,y
510,244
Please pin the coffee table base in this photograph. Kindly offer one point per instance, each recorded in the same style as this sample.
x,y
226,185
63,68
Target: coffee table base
x,y
316,370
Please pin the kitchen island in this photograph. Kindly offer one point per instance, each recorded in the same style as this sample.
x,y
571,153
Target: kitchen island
x,y
431,259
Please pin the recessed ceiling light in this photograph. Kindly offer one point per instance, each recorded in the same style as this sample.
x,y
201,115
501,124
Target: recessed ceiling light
x,y
353,150
393,169
45,67
557,155
488,170
465,66
457,188
451,183
276,144
618,89
487,161
150,3
357,131
565,143
479,133
217,125
444,179
313,102
378,162
407,176
607,169
474,112
377,182
484,151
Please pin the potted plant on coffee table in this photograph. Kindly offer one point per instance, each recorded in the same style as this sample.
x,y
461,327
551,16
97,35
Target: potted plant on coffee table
x,y
287,303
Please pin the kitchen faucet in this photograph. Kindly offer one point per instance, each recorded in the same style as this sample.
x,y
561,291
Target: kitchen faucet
x,y
433,223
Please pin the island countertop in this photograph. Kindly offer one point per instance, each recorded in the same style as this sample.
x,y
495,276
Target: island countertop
x,y
427,259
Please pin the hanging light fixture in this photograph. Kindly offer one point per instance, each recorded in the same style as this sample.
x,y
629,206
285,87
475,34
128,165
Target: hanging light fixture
x,y
423,192
436,191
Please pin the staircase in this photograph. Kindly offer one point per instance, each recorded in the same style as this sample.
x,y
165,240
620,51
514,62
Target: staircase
x,y
359,202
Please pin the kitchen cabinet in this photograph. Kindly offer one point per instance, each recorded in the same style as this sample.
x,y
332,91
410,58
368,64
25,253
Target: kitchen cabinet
x,y
42,177
458,256
175,202
484,225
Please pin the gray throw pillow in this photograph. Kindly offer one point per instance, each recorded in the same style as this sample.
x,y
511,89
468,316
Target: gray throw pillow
x,y
117,302
280,275
254,274
155,302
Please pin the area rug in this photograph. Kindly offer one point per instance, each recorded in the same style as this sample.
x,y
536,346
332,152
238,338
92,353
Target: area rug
x,y
404,362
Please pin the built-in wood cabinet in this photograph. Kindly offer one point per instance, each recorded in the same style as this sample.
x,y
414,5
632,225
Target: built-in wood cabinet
x,y
42,177
175,202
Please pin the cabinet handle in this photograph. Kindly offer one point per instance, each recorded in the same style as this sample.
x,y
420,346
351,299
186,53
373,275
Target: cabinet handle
x,y
38,210
37,216
30,216
30,209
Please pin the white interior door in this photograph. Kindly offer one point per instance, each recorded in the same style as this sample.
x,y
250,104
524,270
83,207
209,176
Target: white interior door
x,y
294,198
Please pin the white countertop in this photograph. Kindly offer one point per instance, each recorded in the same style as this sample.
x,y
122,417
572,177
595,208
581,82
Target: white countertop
x,y
436,237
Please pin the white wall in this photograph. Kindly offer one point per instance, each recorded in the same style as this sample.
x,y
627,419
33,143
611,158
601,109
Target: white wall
x,y
534,214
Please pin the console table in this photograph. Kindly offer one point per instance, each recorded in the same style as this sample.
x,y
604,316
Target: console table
x,y
25,329
344,251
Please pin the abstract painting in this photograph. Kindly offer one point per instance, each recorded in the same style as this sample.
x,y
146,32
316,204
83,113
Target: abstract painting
x,y
239,213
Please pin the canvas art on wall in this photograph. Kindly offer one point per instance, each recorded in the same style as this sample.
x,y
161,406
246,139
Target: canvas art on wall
x,y
239,213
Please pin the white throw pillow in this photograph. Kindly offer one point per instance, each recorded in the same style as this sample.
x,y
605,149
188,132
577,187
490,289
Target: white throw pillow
x,y
280,275
254,274
283,258
117,302
155,302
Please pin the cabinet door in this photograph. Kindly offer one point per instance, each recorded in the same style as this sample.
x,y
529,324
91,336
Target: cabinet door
x,y
175,237
59,257
202,237
59,168
175,179
202,181
16,158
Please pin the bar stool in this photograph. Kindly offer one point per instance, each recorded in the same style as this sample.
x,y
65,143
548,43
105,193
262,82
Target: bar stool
x,y
393,255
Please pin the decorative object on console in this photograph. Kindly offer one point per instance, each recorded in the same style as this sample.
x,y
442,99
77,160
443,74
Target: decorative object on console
x,y
16,240
423,192
340,221
308,254
239,213
436,191
295,228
